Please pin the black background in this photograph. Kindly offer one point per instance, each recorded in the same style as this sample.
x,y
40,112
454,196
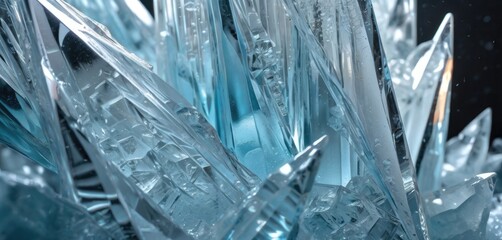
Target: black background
x,y
477,77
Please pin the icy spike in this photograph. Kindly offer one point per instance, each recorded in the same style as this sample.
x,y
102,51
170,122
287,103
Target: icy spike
x,y
461,211
336,212
274,210
466,153
427,68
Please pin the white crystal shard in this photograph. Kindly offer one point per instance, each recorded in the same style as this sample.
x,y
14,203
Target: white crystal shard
x,y
467,152
417,87
430,157
432,153
273,211
461,211
147,132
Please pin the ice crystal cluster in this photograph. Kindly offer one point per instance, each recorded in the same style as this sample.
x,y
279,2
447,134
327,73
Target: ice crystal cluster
x,y
236,119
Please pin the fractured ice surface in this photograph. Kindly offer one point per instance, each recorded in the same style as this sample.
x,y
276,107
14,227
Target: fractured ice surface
x,y
461,211
467,152
159,143
337,212
135,155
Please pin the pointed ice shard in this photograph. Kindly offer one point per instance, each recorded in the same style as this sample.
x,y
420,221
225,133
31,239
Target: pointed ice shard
x,y
32,212
353,52
336,212
428,67
466,153
430,158
461,211
274,210
284,58
128,21
147,132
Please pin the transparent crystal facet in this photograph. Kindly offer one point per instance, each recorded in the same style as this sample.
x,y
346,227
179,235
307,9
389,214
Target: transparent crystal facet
x,y
427,68
146,131
467,152
336,212
461,211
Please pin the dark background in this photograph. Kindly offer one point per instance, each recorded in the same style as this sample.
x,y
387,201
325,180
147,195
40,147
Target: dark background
x,y
477,76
